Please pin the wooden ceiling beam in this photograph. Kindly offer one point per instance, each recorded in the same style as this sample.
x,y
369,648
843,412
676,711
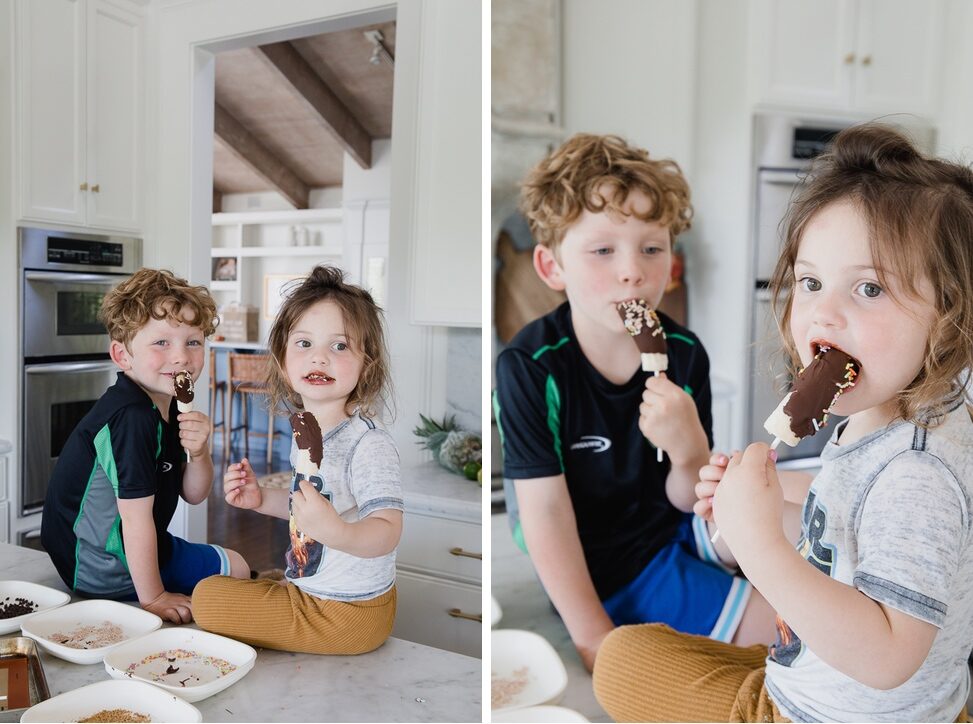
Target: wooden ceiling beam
x,y
320,99
258,157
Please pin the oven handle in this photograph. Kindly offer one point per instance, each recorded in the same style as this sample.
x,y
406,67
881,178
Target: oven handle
x,y
62,367
42,276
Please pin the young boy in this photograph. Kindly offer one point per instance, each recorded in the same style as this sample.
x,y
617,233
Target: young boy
x,y
119,477
609,528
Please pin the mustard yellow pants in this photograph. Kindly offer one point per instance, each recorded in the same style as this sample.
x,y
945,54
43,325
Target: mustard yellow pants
x,y
281,616
650,673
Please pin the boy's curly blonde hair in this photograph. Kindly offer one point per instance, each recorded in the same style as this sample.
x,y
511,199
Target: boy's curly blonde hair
x,y
363,324
155,294
597,173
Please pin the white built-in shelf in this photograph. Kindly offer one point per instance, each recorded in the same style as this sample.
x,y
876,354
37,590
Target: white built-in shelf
x,y
302,216
276,251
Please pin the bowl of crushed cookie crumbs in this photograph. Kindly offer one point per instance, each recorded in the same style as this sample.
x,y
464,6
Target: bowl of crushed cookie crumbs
x,y
189,663
84,632
525,670
114,701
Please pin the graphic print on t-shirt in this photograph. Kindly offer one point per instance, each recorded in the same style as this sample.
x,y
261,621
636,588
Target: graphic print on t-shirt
x,y
305,554
819,555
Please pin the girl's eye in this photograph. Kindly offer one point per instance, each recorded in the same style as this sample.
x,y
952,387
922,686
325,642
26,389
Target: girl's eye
x,y
339,346
869,290
809,284
303,343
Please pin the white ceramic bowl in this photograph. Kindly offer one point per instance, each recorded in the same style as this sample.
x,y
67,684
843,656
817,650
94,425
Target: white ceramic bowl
x,y
537,714
144,659
496,613
45,598
132,695
512,652
133,621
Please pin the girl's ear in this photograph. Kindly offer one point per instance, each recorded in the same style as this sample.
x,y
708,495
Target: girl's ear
x,y
119,355
547,268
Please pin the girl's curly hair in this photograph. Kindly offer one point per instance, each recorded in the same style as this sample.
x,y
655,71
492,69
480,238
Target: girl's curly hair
x,y
366,336
919,212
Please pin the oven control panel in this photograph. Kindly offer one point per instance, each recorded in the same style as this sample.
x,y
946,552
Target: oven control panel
x,y
84,252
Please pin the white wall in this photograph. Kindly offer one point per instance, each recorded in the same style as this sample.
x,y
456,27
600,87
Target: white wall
x,y
628,68
9,306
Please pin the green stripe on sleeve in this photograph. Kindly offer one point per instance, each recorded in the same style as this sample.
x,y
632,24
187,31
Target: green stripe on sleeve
x,y
496,415
553,397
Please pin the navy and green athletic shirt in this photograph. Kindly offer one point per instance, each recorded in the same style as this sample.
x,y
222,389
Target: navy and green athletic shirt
x,y
557,414
121,449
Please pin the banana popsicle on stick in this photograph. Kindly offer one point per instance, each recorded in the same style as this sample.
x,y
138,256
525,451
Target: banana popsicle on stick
x,y
642,323
817,388
310,447
184,391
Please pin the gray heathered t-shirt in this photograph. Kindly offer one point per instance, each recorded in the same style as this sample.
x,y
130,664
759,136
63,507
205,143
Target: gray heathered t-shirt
x,y
890,515
359,474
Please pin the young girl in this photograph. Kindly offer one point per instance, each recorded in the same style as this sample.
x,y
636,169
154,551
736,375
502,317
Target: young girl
x,y
875,606
329,359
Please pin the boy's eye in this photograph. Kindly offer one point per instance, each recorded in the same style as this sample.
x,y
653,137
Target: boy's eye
x,y
195,343
160,342
652,250
603,251
870,290
809,284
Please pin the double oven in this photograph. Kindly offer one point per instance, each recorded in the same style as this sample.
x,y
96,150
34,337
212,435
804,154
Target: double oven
x,y
64,348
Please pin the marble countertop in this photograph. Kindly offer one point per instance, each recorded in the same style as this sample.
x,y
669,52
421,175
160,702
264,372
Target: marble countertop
x,y
524,605
429,488
400,681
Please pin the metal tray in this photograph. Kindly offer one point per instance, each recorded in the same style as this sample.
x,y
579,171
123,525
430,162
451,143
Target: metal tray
x,y
37,682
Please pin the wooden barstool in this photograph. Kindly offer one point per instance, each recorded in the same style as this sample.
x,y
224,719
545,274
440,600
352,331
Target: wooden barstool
x,y
248,373
217,387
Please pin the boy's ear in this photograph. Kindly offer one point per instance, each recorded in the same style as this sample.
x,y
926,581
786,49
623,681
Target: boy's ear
x,y
119,355
547,268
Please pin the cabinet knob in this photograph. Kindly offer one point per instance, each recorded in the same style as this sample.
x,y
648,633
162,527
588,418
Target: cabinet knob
x,y
867,60
83,186
457,613
460,552
849,59
96,188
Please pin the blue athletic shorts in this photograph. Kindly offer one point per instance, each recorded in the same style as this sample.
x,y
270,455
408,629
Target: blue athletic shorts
x,y
191,563
685,586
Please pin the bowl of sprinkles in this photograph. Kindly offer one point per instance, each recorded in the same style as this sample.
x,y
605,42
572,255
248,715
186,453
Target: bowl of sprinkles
x,y
113,701
189,663
84,632
20,600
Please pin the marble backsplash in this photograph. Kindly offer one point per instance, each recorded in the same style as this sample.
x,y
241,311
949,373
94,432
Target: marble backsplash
x,y
464,377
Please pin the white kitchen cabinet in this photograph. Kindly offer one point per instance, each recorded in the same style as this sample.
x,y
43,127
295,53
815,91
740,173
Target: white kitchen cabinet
x,y
445,228
80,121
439,561
863,56
5,492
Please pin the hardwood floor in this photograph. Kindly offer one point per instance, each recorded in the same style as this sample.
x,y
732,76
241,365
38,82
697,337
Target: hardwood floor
x,y
260,539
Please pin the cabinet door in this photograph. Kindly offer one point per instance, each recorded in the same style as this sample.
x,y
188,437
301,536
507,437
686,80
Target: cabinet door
x,y
445,236
50,82
114,116
899,56
805,51
427,609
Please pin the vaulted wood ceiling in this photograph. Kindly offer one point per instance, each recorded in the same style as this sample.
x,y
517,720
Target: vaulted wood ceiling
x,y
287,112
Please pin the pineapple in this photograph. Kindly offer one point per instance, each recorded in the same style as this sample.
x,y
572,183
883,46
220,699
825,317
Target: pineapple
x,y
452,447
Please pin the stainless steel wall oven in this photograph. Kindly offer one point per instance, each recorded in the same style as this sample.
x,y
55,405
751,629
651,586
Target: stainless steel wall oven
x,y
66,368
